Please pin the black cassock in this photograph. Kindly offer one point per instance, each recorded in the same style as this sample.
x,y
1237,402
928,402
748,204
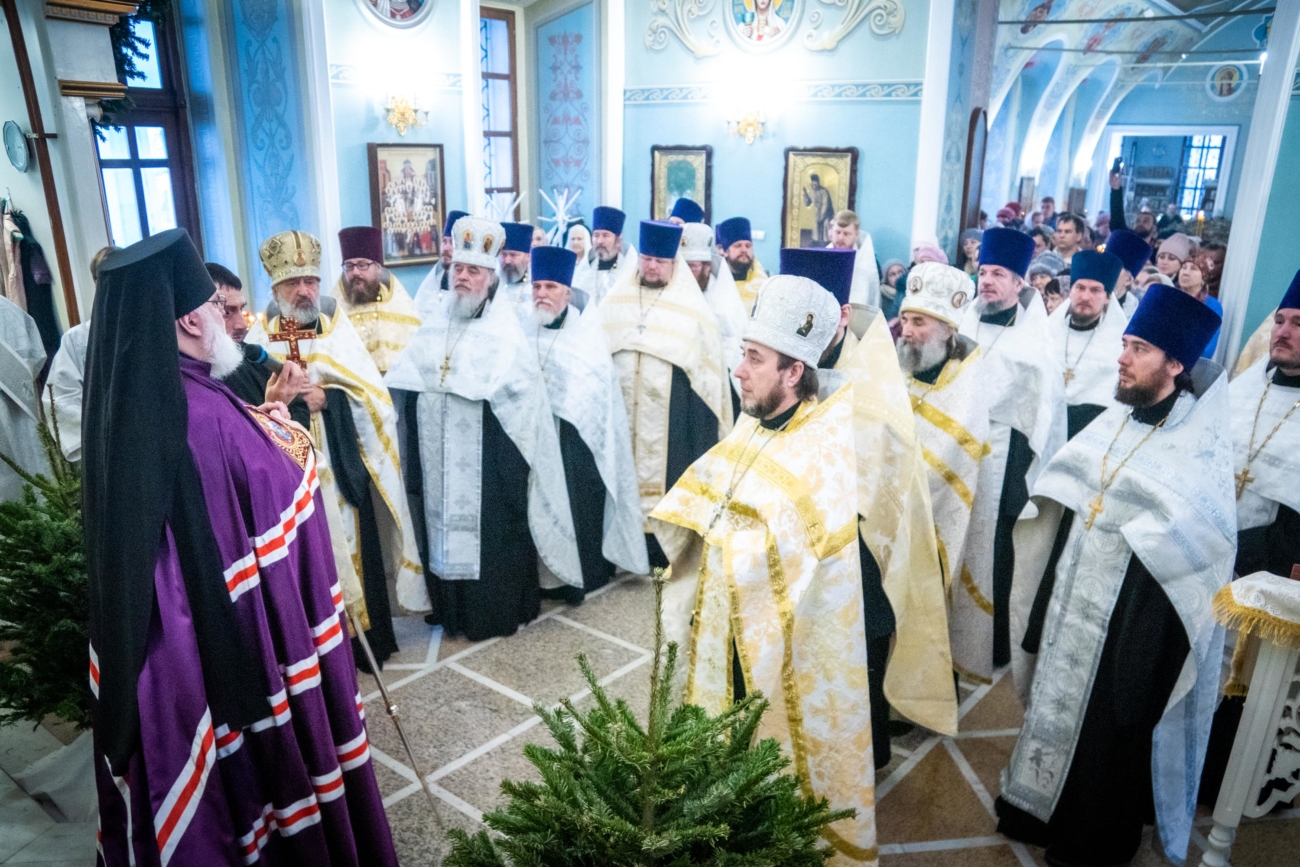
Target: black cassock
x,y
692,431
1107,796
506,593
587,504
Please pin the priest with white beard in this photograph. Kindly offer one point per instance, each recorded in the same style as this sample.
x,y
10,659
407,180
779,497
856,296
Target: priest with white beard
x,y
610,258
1088,336
352,425
439,277
481,457
22,356
1025,386
715,281
587,401
668,350
1130,534
944,373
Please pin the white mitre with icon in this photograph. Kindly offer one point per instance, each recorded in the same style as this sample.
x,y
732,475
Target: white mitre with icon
x,y
476,241
938,290
796,317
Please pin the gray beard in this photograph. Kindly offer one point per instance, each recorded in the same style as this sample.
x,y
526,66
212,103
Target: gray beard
x,y
603,256
913,358
307,314
983,308
465,306
512,273
544,317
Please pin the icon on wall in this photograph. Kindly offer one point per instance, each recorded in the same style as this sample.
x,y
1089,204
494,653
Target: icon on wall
x,y
819,182
680,172
407,195
399,13
1226,81
758,25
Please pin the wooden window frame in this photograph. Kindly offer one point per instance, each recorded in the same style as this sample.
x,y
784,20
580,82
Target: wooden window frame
x,y
508,16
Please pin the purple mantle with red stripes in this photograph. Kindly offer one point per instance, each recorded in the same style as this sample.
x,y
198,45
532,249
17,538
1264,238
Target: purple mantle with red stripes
x,y
296,787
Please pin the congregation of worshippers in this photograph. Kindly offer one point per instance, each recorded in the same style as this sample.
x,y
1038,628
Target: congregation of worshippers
x,y
864,483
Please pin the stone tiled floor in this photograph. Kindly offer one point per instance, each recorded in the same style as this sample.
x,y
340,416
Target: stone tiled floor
x,y
468,711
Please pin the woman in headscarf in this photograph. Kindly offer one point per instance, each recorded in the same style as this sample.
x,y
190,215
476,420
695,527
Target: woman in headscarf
x,y
579,240
968,250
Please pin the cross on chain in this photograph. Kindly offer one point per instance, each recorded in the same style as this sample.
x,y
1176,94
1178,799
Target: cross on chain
x,y
1094,509
1069,376
446,369
1243,478
291,333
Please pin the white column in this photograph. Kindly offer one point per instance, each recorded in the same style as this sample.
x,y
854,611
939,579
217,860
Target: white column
x,y
1266,122
614,55
934,108
324,153
471,105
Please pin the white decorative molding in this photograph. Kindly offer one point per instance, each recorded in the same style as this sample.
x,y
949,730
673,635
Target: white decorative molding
x,y
677,18
343,75
805,91
885,16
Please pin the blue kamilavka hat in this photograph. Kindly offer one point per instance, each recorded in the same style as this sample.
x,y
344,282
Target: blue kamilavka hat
x,y
1174,321
660,240
452,217
1006,247
1130,248
1091,265
519,237
730,231
830,268
687,211
607,219
1291,300
552,263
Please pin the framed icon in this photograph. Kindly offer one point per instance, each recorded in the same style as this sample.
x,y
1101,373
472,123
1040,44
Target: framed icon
x,y
680,172
408,200
819,182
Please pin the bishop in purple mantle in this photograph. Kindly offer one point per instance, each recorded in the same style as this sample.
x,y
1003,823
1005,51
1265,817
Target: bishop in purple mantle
x,y
229,727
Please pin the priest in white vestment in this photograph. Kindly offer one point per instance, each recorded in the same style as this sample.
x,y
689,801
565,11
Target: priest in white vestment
x,y
1134,252
512,268
668,350
909,664
1088,336
595,442
481,456
439,277
719,289
22,356
762,532
610,258
1130,533
372,297
63,388
945,378
352,424
1025,384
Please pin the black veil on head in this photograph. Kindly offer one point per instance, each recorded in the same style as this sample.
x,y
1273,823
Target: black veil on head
x,y
138,474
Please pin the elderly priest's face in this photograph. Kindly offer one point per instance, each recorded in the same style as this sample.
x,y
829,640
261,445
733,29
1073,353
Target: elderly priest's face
x,y
549,300
998,288
201,334
299,297
470,286
924,341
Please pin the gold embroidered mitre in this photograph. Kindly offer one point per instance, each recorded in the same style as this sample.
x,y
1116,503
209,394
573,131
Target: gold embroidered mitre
x,y
290,254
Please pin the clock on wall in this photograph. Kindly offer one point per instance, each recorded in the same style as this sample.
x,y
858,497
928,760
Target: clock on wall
x,y
16,146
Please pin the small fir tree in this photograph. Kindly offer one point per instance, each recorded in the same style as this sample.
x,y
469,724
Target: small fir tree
x,y
686,789
43,595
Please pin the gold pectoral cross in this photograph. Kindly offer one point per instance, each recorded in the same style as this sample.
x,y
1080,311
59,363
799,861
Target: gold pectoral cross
x,y
446,369
1069,376
1094,509
1243,478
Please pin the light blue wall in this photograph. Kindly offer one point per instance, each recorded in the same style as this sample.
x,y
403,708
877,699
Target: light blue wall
x,y
365,57
747,179
567,103
1278,256
956,124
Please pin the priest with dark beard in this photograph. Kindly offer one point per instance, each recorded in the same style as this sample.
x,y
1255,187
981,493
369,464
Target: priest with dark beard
x,y
227,719
668,350
481,457
587,401
736,245
1088,336
1130,533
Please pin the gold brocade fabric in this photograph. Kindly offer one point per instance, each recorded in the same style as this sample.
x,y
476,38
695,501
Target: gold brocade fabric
x,y
649,332
337,359
778,572
952,424
748,288
384,325
897,525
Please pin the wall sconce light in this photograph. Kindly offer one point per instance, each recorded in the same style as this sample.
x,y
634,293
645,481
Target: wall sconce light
x,y
405,111
749,125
